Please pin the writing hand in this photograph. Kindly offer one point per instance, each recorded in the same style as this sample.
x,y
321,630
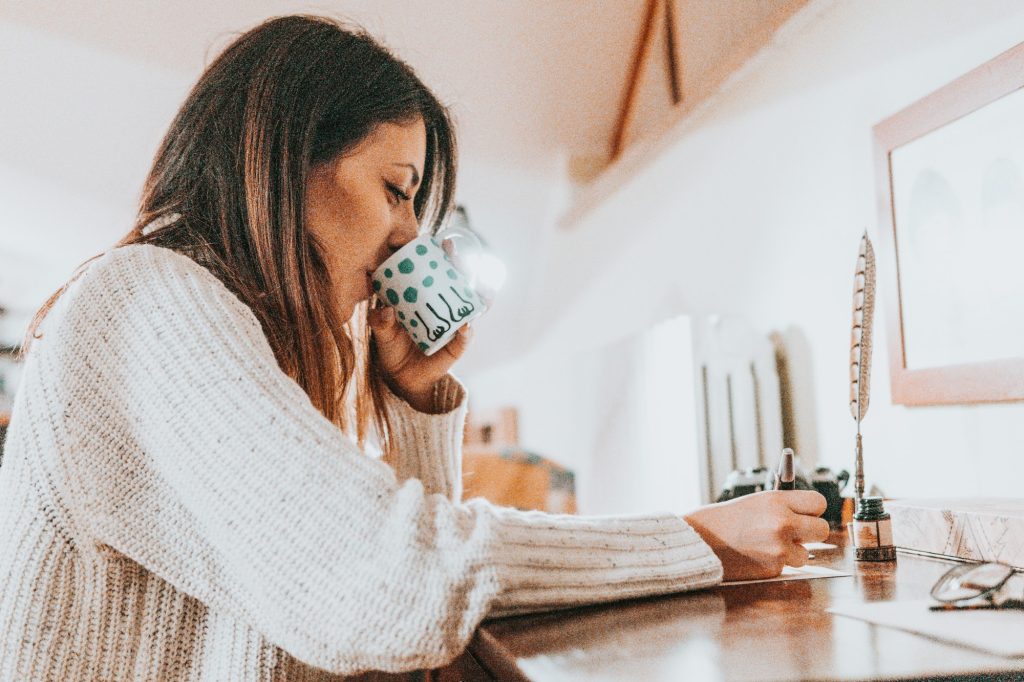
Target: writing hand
x,y
756,535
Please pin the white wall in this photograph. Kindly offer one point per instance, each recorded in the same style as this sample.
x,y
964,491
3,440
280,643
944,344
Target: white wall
x,y
756,210
83,126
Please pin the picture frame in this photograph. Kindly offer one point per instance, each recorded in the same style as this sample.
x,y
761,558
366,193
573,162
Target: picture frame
x,y
950,191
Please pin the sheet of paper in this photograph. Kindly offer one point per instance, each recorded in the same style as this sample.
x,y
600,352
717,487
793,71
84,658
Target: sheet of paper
x,y
996,631
790,573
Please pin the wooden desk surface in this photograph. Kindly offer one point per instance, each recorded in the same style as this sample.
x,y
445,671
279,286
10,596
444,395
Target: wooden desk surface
x,y
768,631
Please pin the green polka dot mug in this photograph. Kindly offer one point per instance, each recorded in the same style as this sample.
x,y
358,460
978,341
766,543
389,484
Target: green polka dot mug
x,y
433,298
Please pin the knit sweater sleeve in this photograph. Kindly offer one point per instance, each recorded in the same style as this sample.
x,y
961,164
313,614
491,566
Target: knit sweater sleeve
x,y
428,447
192,454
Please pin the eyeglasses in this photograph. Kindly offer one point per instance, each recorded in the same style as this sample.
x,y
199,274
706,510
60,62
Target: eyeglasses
x,y
976,586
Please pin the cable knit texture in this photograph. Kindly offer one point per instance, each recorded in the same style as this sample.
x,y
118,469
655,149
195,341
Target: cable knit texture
x,y
173,507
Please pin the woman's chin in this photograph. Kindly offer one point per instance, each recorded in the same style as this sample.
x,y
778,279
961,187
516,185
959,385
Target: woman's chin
x,y
346,308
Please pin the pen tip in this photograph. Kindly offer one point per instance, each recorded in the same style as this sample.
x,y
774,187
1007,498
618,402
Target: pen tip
x,y
787,470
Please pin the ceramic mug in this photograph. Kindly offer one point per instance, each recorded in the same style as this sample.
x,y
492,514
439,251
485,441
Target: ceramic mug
x,y
431,297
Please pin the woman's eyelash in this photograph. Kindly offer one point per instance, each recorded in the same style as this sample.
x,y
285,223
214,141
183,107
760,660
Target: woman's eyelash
x,y
399,194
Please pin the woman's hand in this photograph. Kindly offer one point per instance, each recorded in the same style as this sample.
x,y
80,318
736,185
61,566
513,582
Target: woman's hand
x,y
409,373
756,535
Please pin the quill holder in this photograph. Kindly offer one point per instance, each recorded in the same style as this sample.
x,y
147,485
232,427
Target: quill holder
x,y
871,528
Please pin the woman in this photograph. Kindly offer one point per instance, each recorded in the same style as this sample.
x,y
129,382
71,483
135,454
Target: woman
x,y
185,493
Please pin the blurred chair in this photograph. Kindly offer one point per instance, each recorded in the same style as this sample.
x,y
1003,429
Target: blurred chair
x,y
739,402
496,468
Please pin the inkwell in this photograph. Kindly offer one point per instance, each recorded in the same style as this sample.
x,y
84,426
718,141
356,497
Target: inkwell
x,y
871,528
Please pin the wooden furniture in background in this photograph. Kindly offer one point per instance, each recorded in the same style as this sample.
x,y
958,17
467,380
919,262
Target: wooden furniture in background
x,y
492,428
512,477
969,382
496,468
767,631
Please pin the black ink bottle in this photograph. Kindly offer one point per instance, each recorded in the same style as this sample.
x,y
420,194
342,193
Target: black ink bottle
x,y
871,531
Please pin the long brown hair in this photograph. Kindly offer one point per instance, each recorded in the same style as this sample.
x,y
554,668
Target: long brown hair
x,y
286,96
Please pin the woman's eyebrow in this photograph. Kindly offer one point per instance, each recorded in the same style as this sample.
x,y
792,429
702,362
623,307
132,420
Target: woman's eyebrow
x,y
415,173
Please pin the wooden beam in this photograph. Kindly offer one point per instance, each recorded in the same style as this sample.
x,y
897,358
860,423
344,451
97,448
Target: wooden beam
x,y
702,93
636,73
674,82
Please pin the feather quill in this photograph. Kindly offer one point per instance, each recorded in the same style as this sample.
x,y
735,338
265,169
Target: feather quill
x,y
860,347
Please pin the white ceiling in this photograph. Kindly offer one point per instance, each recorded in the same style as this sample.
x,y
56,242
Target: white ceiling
x,y
522,76
90,88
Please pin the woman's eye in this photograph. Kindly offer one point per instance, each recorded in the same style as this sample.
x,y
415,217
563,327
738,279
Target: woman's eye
x,y
398,194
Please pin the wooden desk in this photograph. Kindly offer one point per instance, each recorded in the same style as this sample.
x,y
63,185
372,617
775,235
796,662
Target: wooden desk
x,y
770,631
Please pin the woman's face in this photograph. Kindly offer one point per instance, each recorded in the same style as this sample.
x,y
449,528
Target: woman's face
x,y
360,209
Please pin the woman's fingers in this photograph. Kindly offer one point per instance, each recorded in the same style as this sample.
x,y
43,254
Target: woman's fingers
x,y
408,372
457,346
809,502
802,528
806,528
813,529
796,555
438,364
805,522
384,324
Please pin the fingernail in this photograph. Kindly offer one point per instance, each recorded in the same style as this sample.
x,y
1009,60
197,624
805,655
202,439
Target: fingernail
x,y
389,315
467,332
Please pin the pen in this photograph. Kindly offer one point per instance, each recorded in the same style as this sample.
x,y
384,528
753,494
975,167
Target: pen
x,y
785,476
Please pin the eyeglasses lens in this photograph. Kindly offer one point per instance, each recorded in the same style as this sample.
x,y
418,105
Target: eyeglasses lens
x,y
970,581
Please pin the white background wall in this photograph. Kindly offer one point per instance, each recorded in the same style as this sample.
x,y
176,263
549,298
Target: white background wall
x,y
756,210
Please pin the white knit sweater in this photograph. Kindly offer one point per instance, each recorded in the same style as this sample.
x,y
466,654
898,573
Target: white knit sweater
x,y
173,507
